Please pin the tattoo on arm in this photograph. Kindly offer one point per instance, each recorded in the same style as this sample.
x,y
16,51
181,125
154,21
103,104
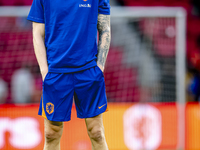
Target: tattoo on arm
x,y
103,27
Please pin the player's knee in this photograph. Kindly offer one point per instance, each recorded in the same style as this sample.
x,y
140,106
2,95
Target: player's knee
x,y
53,134
96,134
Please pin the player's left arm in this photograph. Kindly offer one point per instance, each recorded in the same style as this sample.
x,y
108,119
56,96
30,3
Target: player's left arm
x,y
103,27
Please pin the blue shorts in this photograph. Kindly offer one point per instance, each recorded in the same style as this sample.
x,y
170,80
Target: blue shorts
x,y
87,87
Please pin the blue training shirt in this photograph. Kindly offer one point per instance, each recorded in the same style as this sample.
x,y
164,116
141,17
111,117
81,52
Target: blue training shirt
x,y
70,31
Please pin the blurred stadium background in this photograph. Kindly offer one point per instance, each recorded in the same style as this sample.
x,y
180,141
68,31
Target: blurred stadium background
x,y
152,79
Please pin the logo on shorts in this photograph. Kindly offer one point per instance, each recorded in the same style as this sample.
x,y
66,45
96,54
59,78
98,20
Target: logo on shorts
x,y
101,106
50,108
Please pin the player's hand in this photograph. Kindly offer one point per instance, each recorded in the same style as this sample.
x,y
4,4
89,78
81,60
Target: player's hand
x,y
101,67
44,73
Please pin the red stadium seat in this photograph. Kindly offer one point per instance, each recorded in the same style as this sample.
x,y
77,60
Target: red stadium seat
x,y
15,2
158,3
187,1
183,4
8,2
191,46
136,2
193,27
27,2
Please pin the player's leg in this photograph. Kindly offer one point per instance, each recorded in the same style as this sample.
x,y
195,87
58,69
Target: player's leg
x,y
55,105
95,130
53,132
91,102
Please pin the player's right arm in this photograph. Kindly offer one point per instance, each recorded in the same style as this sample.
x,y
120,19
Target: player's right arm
x,y
39,47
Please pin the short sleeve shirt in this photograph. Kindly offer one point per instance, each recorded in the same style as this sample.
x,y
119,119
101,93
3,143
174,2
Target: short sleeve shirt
x,y
70,31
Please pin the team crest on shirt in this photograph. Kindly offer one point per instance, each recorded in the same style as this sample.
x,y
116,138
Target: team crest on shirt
x,y
49,108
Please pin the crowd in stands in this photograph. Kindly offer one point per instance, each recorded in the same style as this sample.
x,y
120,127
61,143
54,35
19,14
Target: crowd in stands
x,y
20,82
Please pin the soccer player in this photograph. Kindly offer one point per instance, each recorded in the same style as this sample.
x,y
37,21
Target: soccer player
x,y
72,63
